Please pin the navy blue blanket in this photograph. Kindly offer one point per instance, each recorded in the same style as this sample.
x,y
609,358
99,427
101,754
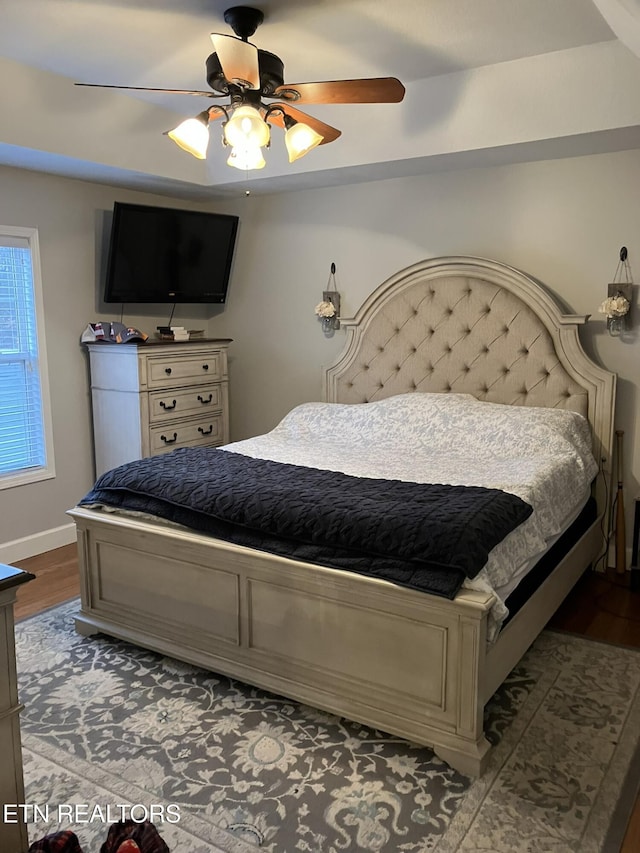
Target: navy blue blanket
x,y
427,537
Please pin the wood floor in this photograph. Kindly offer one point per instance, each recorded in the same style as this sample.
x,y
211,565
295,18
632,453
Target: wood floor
x,y
56,581
601,607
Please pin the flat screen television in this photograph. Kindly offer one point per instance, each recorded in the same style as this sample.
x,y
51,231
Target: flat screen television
x,y
160,254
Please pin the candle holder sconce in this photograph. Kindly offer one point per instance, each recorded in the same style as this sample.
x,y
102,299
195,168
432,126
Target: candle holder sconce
x,y
328,311
617,306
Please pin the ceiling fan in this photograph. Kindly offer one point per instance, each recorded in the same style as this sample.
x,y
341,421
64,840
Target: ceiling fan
x,y
248,77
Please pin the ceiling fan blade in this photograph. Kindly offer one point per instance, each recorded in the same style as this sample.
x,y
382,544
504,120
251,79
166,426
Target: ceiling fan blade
x,y
328,133
239,60
372,90
209,94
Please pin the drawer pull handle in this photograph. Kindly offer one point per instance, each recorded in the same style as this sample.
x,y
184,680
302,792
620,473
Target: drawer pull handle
x,y
167,406
167,370
205,367
206,431
203,401
169,440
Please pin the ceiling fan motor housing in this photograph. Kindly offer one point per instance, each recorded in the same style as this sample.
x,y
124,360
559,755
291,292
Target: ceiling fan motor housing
x,y
271,73
243,20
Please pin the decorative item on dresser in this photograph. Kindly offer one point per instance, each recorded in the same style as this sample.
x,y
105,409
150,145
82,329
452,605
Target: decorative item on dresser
x,y
153,397
420,665
13,832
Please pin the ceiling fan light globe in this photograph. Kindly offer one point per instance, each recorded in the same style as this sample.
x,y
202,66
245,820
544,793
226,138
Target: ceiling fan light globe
x,y
192,135
246,159
300,139
246,128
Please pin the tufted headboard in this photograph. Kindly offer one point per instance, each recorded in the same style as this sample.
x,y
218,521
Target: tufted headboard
x,y
474,326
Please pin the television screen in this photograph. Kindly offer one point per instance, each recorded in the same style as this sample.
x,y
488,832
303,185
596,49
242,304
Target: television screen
x,y
158,254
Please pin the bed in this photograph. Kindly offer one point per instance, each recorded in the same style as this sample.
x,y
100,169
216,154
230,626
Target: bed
x,y
448,335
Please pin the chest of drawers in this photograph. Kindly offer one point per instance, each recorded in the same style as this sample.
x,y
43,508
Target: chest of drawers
x,y
153,397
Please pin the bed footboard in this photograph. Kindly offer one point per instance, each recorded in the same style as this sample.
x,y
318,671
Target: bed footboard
x,y
407,663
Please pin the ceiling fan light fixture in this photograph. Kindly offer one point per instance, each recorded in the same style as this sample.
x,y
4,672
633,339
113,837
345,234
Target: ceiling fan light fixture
x,y
246,159
192,135
249,77
300,139
246,128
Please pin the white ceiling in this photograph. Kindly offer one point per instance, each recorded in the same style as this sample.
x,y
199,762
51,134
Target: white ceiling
x,y
165,42
463,62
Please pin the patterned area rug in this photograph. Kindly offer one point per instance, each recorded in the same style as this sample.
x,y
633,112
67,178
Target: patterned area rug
x,y
110,731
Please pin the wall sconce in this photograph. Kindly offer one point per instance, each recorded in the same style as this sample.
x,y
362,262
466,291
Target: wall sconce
x,y
617,306
328,310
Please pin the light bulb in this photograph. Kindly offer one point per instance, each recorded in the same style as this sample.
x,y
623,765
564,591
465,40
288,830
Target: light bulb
x,y
193,136
246,159
246,127
300,139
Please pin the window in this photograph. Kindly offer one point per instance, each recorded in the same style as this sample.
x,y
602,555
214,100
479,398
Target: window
x,y
26,446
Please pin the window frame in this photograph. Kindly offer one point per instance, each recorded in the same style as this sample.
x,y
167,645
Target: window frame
x,y
46,471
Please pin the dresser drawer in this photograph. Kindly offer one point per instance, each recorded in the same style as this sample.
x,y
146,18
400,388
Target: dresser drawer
x,y
184,402
208,429
174,371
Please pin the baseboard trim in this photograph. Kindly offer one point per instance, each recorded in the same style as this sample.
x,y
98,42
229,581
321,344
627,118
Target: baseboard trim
x,y
38,543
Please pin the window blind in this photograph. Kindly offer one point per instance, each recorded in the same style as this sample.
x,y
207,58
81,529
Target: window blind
x,y
22,434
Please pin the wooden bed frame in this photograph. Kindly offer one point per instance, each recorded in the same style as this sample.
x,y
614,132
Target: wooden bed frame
x,y
408,663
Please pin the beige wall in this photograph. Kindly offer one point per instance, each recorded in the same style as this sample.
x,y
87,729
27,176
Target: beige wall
x,y
562,222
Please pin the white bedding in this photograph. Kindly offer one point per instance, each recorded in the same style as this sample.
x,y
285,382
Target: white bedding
x,y
542,455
